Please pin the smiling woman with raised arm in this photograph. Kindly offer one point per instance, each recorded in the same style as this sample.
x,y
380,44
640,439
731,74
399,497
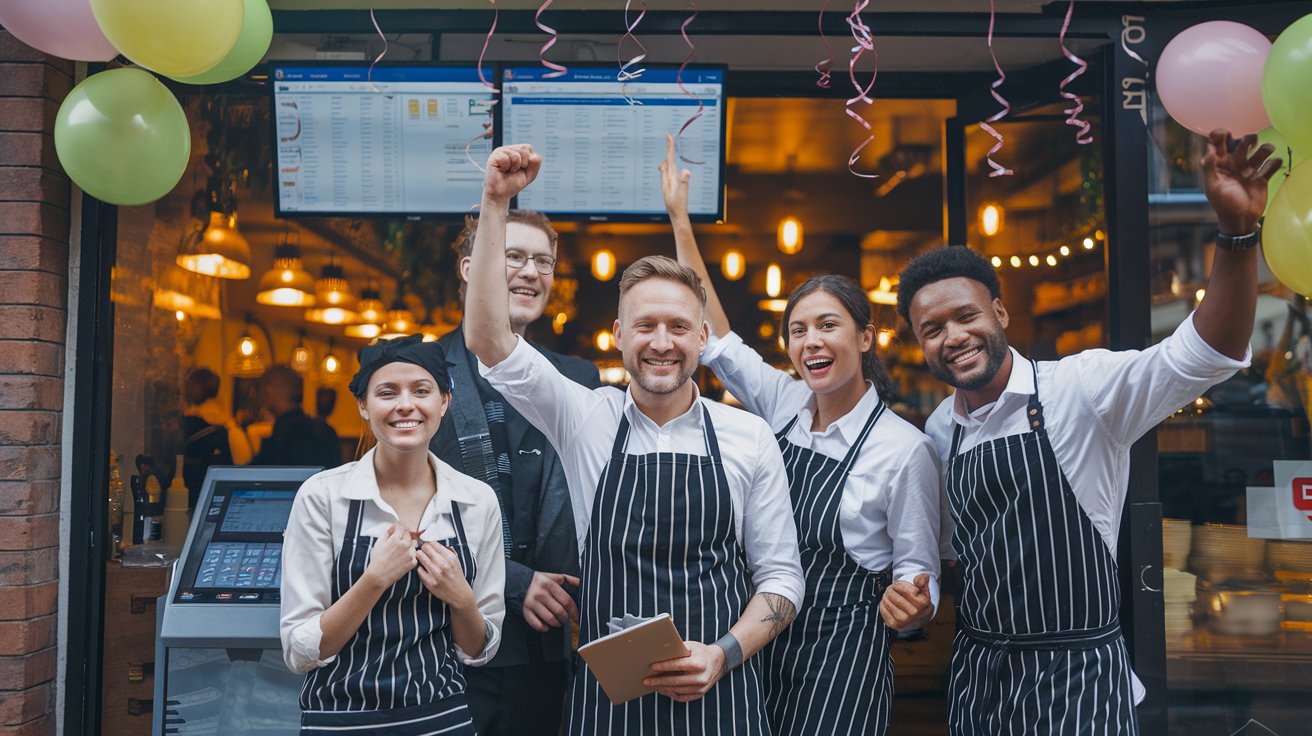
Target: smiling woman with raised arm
x,y
393,566
865,495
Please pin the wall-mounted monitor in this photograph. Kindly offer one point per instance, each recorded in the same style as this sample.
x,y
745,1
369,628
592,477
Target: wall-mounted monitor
x,y
390,143
601,149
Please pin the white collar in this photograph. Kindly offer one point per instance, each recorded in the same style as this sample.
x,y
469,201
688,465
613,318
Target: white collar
x,y
692,417
362,482
850,424
1019,384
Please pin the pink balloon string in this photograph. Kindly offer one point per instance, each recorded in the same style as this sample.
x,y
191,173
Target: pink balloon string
x,y
380,56
627,73
1083,134
487,126
864,43
998,169
556,69
678,78
824,65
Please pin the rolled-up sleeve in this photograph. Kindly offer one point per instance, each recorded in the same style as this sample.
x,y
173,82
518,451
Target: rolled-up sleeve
x,y
307,562
489,582
769,533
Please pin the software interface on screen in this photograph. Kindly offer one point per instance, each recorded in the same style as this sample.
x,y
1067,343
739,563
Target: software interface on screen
x,y
602,148
393,142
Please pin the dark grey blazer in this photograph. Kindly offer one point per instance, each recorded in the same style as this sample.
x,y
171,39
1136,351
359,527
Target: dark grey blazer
x,y
543,520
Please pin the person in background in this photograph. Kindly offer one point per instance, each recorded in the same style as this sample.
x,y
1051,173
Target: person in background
x,y
392,566
521,691
1037,457
325,401
297,438
680,504
865,494
212,436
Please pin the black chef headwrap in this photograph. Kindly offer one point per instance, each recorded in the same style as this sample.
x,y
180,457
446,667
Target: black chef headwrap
x,y
412,349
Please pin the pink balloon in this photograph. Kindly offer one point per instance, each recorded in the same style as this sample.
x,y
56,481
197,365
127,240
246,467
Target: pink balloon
x,y
63,28
1210,76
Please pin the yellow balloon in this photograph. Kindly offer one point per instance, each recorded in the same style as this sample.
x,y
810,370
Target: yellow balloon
x,y
177,38
1287,231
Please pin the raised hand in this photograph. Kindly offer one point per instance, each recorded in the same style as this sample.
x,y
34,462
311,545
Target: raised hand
x,y
441,572
907,604
392,556
547,604
674,182
1235,178
509,170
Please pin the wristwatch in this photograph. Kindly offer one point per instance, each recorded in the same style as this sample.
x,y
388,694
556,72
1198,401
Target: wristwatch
x,y
1238,242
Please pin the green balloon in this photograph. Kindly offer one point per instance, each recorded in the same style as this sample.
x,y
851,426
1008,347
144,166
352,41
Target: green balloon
x,y
1286,81
252,44
1289,158
1287,232
122,137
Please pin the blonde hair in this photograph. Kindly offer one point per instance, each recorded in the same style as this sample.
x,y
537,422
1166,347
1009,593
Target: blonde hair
x,y
661,267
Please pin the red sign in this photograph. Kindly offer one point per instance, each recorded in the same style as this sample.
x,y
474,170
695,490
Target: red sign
x,y
1302,488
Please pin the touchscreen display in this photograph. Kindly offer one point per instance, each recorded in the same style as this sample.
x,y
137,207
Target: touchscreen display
x,y
257,512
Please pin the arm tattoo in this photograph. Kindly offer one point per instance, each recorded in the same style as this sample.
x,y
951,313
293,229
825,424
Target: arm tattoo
x,y
781,612
733,652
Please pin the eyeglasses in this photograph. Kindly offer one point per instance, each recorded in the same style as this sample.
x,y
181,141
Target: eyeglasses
x,y
542,264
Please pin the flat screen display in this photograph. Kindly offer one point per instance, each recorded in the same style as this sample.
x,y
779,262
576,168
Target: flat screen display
x,y
259,512
391,143
601,148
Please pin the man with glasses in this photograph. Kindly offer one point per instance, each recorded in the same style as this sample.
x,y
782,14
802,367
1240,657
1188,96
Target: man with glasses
x,y
521,691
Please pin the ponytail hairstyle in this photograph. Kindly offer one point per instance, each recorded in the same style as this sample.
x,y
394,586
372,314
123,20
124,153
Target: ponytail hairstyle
x,y
857,303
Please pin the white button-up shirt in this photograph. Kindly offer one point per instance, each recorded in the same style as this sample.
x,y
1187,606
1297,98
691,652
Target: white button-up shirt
x,y
1095,405
582,423
314,539
891,507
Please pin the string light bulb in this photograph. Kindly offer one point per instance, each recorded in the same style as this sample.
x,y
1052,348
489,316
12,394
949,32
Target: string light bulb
x,y
603,265
1015,261
733,265
990,219
790,235
1051,260
1065,250
774,280
996,261
1088,243
604,340
1034,260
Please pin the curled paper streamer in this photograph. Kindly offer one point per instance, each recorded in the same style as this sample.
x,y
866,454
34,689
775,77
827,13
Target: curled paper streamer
x,y
1083,135
864,42
487,127
380,56
626,73
556,69
824,65
678,77
998,169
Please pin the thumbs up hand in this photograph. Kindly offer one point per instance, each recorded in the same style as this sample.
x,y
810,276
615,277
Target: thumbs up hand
x,y
907,604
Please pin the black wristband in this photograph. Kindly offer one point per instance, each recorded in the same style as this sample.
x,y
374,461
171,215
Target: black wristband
x,y
733,651
1235,243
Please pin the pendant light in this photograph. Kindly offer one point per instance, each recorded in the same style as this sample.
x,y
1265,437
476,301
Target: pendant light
x,y
400,321
246,359
790,235
370,312
331,369
286,284
218,250
302,359
332,298
733,265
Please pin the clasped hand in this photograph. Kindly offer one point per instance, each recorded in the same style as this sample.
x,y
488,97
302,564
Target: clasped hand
x,y
394,555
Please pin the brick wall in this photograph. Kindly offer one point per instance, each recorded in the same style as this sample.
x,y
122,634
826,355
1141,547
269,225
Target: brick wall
x,y
34,231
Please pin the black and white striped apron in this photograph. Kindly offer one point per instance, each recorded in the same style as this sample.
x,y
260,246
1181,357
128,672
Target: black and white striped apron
x,y
398,675
662,540
829,672
1039,647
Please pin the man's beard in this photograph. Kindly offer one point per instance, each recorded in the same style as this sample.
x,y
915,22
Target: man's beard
x,y
657,385
995,347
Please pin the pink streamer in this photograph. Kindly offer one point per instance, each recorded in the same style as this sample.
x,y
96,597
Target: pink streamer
x,y
556,69
678,77
487,127
823,66
1084,134
998,169
864,42
380,56
625,74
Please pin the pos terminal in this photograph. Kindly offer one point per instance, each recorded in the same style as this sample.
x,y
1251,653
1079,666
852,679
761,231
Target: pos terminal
x,y
218,659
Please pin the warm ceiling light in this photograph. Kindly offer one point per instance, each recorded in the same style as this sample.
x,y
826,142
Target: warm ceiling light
x,y
790,235
180,316
1051,260
218,250
331,370
1065,250
990,219
331,316
246,360
884,337
368,330
370,308
400,321
332,289
884,294
604,340
1034,260
774,280
184,304
773,305
286,284
733,265
603,265
997,262
1088,243
558,323
1015,261
302,359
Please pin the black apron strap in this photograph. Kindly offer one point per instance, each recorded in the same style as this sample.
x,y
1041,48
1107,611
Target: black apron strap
x,y
869,426
621,440
354,518
1034,412
787,428
1065,641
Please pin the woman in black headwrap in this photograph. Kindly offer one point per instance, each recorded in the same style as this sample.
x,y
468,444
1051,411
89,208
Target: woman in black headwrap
x,y
393,567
